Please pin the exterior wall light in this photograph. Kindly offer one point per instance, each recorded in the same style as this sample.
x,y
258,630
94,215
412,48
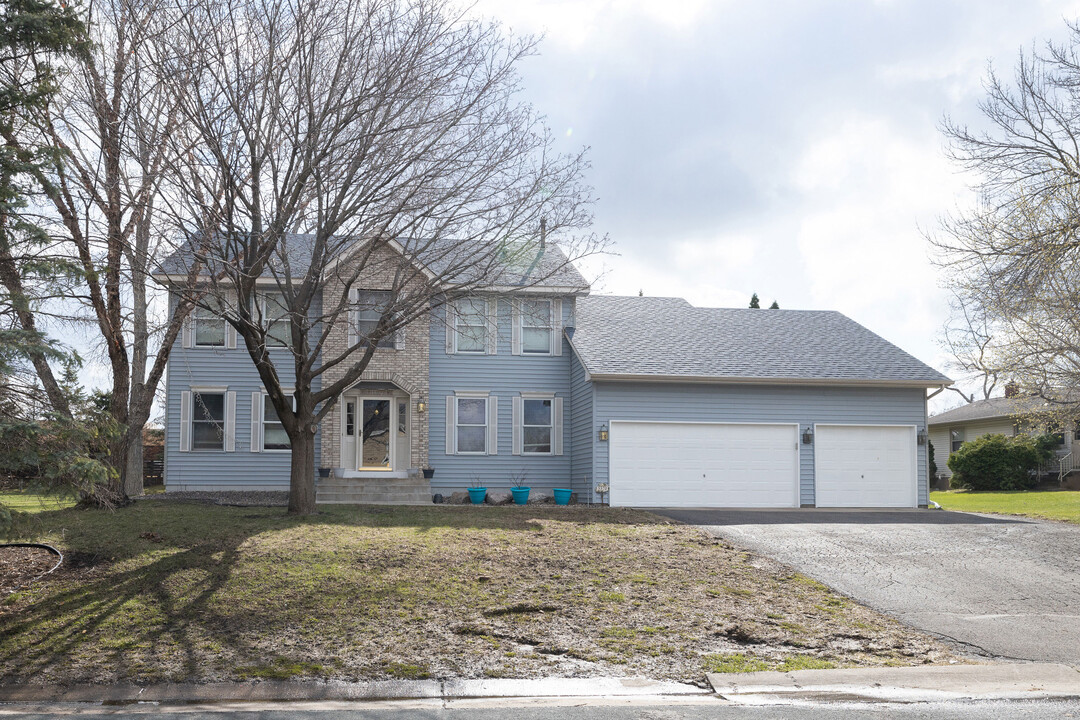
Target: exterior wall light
x,y
603,433
807,436
921,437
421,405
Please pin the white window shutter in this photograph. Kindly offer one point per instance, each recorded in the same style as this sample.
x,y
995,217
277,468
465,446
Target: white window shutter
x,y
556,426
185,421
493,326
350,318
451,329
515,330
556,326
517,419
451,422
256,422
493,425
185,331
230,421
230,336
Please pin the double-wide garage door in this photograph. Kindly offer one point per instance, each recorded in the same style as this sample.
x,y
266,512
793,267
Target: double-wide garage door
x,y
673,464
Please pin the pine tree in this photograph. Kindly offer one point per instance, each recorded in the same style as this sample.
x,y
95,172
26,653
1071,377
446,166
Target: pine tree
x,y
775,305
755,303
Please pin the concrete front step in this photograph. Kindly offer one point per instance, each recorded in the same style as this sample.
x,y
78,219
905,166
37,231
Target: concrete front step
x,y
374,491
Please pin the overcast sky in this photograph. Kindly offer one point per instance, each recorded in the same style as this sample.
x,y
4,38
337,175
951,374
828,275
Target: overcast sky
x,y
785,148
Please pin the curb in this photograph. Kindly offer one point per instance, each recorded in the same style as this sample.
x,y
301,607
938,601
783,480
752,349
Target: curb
x,y
903,684
284,691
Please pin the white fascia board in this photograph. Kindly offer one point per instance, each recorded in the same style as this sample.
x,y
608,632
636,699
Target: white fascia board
x,y
725,380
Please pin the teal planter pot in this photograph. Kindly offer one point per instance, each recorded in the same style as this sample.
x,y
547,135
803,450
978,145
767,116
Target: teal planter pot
x,y
477,495
521,495
562,496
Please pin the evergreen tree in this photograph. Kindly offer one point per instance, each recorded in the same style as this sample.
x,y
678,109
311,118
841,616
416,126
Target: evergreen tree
x,y
755,303
775,305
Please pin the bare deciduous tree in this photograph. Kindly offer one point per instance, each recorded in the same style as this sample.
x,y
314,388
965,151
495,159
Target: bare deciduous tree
x,y
1013,260
375,145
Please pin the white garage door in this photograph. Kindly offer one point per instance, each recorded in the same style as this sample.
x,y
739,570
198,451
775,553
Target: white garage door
x,y
864,466
703,465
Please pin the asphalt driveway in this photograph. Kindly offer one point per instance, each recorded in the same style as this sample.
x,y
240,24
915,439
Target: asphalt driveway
x,y
996,586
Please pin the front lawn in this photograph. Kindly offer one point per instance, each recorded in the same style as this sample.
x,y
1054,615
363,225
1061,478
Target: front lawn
x,y
19,501
172,591
1048,504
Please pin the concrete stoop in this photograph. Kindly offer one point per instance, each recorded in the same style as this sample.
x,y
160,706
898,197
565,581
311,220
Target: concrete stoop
x,y
926,683
373,491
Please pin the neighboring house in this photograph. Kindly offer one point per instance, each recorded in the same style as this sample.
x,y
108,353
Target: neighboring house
x,y
1011,415
664,403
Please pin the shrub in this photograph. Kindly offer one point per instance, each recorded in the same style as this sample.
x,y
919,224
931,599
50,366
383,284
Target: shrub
x,y
996,462
933,463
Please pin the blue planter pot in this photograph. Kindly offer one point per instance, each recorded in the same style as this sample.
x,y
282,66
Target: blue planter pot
x,y
562,496
477,495
521,495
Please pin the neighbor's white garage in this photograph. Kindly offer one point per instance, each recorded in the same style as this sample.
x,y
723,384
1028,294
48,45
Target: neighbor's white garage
x,y
675,464
865,466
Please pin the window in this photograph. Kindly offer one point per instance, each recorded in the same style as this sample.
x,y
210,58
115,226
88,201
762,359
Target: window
x,y
274,436
535,327
472,425
209,326
207,421
275,316
370,306
957,438
536,426
1054,429
471,326
350,418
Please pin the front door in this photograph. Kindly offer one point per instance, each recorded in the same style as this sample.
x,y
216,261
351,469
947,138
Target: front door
x,y
376,436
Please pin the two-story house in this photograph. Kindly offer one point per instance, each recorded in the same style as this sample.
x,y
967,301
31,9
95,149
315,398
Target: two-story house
x,y
539,383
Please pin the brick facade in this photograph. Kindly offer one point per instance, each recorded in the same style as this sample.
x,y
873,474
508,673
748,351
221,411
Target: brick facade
x,y
405,368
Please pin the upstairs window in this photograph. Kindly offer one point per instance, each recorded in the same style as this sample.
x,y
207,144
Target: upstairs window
x,y
209,325
370,306
471,326
275,315
535,318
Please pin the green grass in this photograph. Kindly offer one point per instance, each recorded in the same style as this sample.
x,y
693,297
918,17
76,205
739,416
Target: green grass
x,y
19,501
1048,504
735,663
170,591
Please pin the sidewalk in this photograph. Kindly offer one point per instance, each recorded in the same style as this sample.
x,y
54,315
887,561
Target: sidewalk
x,y
906,684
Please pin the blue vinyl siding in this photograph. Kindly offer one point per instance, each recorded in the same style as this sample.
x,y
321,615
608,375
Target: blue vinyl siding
x,y
580,423
503,375
217,469
764,404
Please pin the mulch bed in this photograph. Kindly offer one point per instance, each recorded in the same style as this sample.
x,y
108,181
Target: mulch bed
x,y
19,566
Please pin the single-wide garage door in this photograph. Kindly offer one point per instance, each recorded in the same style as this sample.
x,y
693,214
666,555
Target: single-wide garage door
x,y
864,466
655,464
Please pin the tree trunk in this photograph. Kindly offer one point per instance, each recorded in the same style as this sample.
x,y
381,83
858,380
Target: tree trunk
x,y
302,476
133,469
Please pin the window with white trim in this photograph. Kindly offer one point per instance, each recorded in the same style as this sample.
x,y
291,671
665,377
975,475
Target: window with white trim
x,y
956,439
536,426
535,319
369,309
275,317
274,436
209,325
207,420
471,325
471,421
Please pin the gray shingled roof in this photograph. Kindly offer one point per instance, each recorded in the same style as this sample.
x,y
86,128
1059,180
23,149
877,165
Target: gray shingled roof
x,y
552,269
670,338
999,407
